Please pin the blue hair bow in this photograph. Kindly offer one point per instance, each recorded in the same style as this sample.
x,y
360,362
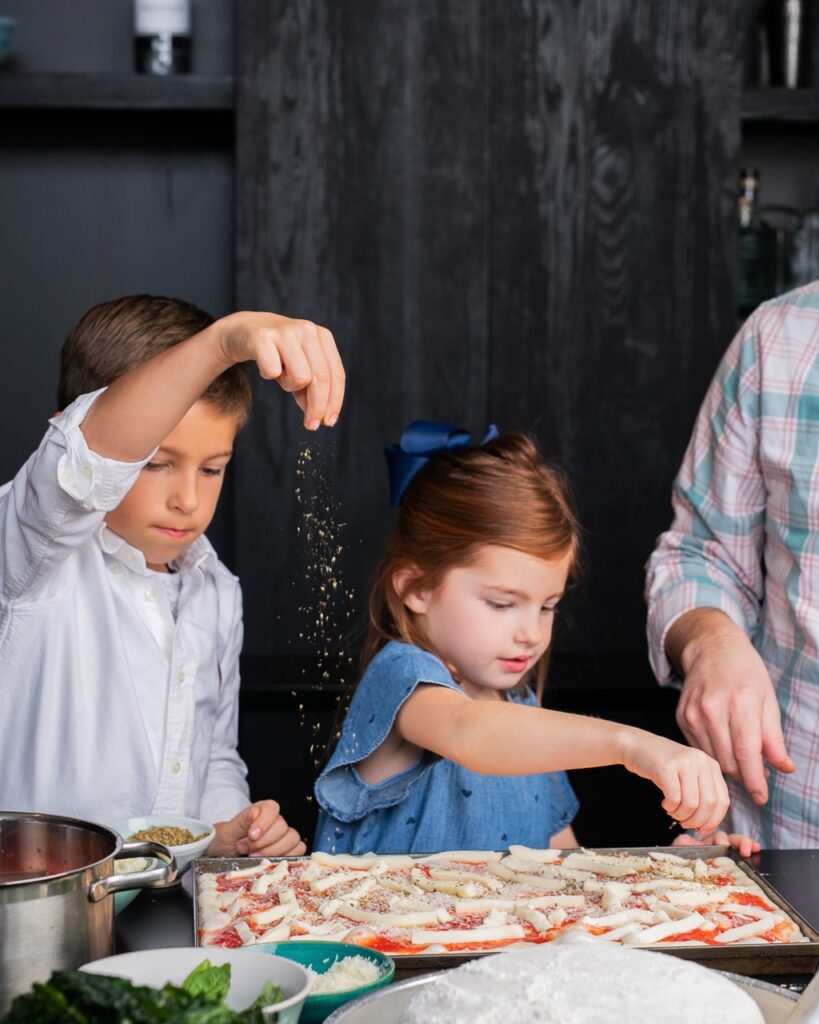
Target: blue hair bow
x,y
419,443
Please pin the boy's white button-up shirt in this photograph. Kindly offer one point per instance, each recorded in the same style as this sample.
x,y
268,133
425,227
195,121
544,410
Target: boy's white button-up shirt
x,y
108,707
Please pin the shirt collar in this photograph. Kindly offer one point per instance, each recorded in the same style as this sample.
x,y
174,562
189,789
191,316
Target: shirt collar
x,y
193,557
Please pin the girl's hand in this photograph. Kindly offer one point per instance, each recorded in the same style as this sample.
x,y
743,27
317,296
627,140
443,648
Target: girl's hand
x,y
299,355
692,784
744,844
258,830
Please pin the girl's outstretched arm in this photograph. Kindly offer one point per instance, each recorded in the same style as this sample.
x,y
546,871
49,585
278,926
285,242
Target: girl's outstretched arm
x,y
501,738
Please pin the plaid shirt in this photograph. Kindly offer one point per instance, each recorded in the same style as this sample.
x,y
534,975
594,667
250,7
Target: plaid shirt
x,y
745,539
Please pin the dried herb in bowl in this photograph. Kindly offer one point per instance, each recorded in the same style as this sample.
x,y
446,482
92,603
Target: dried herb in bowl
x,y
168,835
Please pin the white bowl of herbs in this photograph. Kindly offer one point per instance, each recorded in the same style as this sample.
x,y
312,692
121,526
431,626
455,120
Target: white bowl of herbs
x,y
184,985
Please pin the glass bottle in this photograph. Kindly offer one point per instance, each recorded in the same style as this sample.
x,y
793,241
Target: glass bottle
x,y
757,248
162,36
788,43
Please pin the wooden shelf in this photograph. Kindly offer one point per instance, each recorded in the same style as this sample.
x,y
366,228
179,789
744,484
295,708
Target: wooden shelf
x,y
780,105
116,92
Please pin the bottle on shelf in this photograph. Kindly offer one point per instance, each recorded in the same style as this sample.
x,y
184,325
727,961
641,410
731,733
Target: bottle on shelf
x,y
757,248
162,36
806,249
787,28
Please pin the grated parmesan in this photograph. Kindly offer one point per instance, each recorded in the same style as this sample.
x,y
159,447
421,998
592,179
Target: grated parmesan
x,y
351,972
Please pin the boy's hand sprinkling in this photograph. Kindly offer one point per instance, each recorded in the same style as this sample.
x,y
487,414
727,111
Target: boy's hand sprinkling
x,y
299,355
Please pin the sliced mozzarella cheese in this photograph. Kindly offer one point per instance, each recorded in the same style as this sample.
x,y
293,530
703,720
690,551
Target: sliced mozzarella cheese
x,y
458,936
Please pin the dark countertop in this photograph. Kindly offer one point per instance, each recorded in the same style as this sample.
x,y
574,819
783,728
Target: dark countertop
x,y
165,917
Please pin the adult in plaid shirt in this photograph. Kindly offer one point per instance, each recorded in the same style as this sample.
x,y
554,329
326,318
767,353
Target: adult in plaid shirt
x,y
733,586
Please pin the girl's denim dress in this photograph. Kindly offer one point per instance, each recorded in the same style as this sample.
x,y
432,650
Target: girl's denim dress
x,y
435,804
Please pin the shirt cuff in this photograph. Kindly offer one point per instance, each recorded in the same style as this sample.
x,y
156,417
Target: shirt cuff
x,y
93,481
669,606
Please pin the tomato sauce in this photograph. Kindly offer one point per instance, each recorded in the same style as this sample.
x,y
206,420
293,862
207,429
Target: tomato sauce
x,y
224,884
697,934
229,938
750,899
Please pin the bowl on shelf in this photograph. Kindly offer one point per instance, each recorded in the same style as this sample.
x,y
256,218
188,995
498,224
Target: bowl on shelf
x,y
320,957
248,974
183,853
7,27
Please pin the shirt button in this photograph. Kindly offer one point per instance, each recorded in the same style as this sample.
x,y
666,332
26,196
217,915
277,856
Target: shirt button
x,y
129,556
180,677
89,472
150,595
176,767
65,476
116,569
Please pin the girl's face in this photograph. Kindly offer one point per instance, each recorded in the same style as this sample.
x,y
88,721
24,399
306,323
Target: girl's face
x,y
492,619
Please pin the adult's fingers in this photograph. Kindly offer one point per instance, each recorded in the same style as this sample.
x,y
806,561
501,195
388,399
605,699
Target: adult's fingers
x,y
774,749
705,725
746,739
744,844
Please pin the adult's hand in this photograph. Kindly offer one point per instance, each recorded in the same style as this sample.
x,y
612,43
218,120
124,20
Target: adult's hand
x,y
728,707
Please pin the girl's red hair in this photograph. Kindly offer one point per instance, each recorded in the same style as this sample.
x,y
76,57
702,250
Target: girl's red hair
x,y
501,493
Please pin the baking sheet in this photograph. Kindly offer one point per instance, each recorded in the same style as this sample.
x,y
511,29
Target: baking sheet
x,y
740,958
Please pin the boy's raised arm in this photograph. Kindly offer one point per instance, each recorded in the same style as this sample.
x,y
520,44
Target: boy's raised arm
x,y
138,411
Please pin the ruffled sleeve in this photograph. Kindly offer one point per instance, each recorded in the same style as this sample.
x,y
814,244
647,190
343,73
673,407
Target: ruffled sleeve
x,y
389,680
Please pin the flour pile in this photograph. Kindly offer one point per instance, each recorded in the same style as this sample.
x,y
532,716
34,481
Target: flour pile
x,y
581,981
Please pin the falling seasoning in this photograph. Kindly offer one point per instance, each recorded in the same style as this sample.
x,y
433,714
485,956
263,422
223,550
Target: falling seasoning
x,y
328,607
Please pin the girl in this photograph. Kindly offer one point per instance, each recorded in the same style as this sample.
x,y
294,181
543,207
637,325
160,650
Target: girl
x,y
445,745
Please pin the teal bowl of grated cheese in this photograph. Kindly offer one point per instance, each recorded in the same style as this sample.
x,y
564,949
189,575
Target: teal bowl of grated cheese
x,y
344,972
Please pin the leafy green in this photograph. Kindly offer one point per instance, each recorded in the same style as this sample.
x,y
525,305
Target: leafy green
x,y
74,997
269,995
210,982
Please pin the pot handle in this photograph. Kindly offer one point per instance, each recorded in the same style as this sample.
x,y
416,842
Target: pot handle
x,y
153,878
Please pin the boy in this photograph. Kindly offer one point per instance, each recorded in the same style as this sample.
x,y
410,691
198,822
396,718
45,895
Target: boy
x,y
120,630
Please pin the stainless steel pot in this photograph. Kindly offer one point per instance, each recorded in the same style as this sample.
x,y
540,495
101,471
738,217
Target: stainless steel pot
x,y
55,875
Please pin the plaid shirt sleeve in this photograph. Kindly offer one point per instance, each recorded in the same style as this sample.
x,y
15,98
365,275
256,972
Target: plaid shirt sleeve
x,y
712,554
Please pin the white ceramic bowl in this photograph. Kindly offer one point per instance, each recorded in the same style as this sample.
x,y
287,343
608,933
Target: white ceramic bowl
x,y
248,973
183,854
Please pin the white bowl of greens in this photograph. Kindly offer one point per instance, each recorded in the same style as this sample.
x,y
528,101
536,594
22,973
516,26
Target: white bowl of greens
x,y
185,985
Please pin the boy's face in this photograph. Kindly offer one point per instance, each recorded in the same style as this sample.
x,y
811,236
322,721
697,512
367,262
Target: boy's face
x,y
175,495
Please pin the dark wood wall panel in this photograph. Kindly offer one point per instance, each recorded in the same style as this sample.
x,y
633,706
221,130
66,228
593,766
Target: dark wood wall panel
x,y
614,155
519,210
362,171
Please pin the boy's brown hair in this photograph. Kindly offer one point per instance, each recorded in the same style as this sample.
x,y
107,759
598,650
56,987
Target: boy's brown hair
x,y
115,337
